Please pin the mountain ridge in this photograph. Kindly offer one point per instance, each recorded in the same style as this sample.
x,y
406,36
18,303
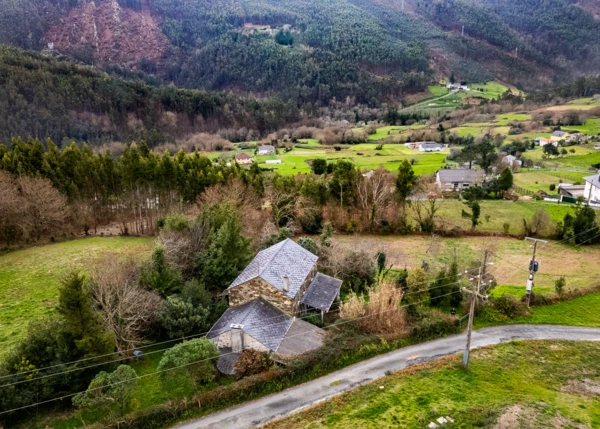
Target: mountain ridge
x,y
366,49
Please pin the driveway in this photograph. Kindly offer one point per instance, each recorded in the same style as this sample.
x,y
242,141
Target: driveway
x,y
264,410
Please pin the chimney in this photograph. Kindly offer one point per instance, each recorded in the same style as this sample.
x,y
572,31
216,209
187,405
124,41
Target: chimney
x,y
237,338
286,283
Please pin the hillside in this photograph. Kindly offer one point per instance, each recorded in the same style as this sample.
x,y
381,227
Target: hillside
x,y
312,51
46,97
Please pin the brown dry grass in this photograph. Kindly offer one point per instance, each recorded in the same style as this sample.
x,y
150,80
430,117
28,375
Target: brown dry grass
x,y
578,264
380,314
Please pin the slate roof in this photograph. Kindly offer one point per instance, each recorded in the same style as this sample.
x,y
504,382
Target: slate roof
x,y
460,175
594,180
322,292
302,337
431,145
227,360
242,155
260,319
559,133
267,147
274,263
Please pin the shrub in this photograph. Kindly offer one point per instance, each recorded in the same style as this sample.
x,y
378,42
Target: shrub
x,y
506,227
180,318
252,362
508,306
435,324
311,221
309,244
559,285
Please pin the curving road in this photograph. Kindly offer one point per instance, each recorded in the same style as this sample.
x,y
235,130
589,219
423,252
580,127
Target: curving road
x,y
264,410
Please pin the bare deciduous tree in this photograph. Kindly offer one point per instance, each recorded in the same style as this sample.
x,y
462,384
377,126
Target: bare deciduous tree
x,y
46,207
127,309
374,195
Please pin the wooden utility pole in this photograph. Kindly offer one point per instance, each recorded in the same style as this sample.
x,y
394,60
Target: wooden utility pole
x,y
474,295
532,267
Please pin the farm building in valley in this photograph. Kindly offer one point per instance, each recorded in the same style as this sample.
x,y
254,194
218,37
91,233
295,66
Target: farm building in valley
x,y
430,147
457,180
559,135
279,284
244,159
266,149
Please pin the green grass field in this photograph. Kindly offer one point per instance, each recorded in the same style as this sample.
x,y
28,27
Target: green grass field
x,y
364,156
516,385
535,180
29,279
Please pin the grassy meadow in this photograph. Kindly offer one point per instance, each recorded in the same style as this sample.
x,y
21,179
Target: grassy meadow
x,y
510,257
367,156
520,384
30,278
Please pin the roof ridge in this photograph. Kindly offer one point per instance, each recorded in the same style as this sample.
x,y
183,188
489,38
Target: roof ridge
x,y
261,269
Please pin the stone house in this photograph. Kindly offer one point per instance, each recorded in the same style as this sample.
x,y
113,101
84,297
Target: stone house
x,y
266,301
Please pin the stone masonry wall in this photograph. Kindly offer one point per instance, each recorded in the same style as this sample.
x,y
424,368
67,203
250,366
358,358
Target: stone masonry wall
x,y
256,288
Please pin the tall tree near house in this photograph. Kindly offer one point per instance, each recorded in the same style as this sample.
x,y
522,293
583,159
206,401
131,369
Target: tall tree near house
x,y
406,181
505,181
80,319
128,311
227,254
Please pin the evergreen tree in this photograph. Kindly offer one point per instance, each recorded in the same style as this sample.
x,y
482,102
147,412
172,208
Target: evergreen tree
x,y
406,180
80,319
505,181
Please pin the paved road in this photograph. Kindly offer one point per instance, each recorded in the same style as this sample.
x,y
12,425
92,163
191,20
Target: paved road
x,y
263,410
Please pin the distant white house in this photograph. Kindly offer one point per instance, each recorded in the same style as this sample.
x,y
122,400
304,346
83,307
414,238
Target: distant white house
x,y
273,161
457,180
592,188
430,147
266,150
544,141
511,161
597,146
457,86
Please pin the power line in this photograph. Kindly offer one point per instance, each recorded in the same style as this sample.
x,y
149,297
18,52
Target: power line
x,y
71,370
202,360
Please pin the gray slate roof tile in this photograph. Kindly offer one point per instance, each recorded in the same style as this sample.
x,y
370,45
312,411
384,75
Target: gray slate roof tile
x,y
272,264
460,175
322,292
260,319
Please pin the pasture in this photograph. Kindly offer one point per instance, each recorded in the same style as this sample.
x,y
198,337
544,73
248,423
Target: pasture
x,y
510,257
30,278
538,382
367,156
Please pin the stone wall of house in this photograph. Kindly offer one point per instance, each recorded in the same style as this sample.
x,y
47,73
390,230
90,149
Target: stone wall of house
x,y
256,288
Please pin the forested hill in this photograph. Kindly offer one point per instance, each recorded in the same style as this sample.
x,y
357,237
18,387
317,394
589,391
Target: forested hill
x,y
44,97
313,50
